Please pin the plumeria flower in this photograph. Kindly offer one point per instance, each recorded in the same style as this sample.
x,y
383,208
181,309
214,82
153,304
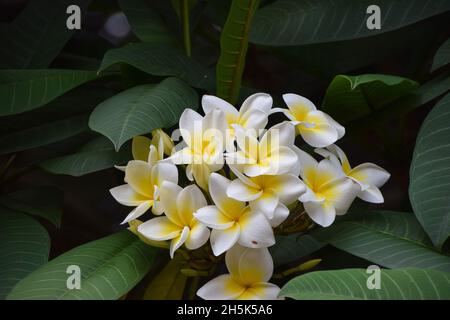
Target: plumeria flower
x,y
204,139
232,221
316,127
253,114
267,194
328,191
368,175
143,181
249,273
179,224
273,154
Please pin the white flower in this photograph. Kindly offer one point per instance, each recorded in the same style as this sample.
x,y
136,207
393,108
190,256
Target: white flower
x,y
204,139
272,154
368,175
249,273
316,127
253,114
141,190
179,223
232,221
267,194
328,191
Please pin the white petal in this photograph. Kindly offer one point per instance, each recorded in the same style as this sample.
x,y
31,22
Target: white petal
x,y
287,187
370,174
183,156
138,176
157,208
238,172
320,136
307,162
222,287
261,101
178,241
223,240
255,265
254,170
243,192
256,231
168,194
282,161
216,122
340,193
125,195
138,211
218,186
188,121
210,103
279,215
310,195
164,172
372,195
260,291
339,128
327,171
213,218
159,229
266,203
294,101
321,213
254,120
198,235
189,200
282,134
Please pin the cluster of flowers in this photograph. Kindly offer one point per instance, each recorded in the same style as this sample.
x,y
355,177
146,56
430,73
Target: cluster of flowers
x,y
244,180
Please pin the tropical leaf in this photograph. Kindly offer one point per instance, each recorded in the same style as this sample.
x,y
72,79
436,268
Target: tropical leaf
x,y
292,248
351,97
145,21
389,239
37,35
109,268
96,155
160,60
24,247
233,48
442,56
43,134
351,284
43,201
430,173
141,109
24,90
293,23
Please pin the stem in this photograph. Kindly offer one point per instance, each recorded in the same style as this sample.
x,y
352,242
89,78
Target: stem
x,y
186,26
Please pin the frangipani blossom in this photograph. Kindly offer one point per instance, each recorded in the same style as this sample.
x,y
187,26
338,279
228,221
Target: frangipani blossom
x,y
232,221
249,273
204,139
179,224
316,127
368,175
273,154
267,194
141,190
253,114
328,190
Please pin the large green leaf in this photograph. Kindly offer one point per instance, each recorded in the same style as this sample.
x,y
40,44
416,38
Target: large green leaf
x,y
110,267
351,97
37,35
389,239
351,284
24,247
23,90
292,248
98,154
145,21
442,56
43,134
292,22
430,173
141,109
160,60
43,201
233,48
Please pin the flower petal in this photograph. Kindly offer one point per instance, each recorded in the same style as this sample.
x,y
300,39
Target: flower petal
x,y
266,203
222,287
257,101
138,211
218,186
260,291
281,161
298,105
190,121
255,120
140,147
164,172
213,218
178,241
255,265
125,195
210,103
198,235
168,194
320,136
372,195
282,134
287,187
370,174
322,213
243,192
256,231
138,176
279,215
189,200
159,229
340,193
223,240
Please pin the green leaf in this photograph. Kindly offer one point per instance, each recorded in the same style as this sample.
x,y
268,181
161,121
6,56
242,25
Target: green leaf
x,y
351,97
109,268
24,90
233,48
43,201
24,247
96,155
141,109
43,134
430,173
293,247
389,239
442,56
160,60
350,284
37,35
292,22
145,21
